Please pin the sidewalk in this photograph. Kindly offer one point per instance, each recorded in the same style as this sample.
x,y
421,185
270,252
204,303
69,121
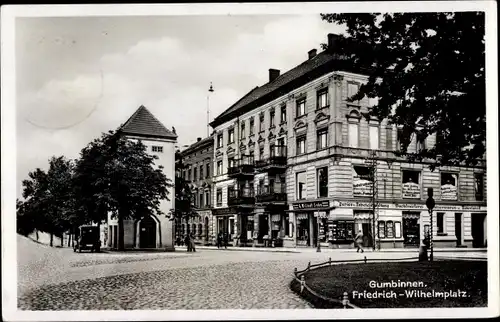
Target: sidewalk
x,y
334,250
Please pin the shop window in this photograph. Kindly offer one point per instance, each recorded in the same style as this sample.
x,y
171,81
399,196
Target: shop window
x,y
301,185
449,183
389,229
397,229
362,181
440,222
479,186
302,229
411,184
341,230
287,225
374,137
322,180
381,229
322,139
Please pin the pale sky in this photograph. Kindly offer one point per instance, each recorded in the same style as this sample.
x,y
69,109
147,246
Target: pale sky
x,y
80,76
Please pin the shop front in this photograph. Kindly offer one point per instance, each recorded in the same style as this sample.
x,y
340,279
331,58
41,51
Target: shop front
x,y
225,222
311,222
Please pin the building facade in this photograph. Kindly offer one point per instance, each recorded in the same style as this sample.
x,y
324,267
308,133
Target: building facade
x,y
150,231
197,160
296,164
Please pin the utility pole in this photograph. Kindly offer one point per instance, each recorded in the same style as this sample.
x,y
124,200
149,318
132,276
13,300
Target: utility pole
x,y
371,161
210,90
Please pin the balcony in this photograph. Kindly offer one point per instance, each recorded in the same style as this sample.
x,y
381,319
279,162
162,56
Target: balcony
x,y
243,167
276,161
271,193
242,196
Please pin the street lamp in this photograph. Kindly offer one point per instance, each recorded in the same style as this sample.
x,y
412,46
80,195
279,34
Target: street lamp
x,y
210,90
430,203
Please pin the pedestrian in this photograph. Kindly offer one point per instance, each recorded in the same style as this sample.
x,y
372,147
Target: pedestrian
x,y
226,237
358,241
193,248
219,239
187,242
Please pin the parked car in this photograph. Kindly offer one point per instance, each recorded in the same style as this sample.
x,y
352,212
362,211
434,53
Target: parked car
x,y
87,239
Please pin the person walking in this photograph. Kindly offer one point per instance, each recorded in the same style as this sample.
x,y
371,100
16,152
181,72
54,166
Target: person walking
x,y
226,237
187,242
193,246
358,241
219,240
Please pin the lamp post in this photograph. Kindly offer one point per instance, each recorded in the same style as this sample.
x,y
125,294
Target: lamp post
x,y
430,203
210,90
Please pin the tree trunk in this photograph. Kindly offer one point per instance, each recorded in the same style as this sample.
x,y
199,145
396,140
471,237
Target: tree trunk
x,y
62,239
69,237
36,230
51,239
121,240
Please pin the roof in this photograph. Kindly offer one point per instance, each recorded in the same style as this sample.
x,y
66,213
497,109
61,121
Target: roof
x,y
144,123
309,70
193,147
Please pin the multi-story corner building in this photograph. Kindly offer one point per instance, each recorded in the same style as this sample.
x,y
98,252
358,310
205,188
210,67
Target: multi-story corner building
x,y
149,231
294,161
197,160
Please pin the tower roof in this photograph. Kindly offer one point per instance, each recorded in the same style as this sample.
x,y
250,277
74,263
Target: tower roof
x,y
144,123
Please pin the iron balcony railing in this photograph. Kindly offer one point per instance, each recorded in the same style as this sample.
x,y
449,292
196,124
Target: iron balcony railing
x,y
277,157
243,166
271,193
241,196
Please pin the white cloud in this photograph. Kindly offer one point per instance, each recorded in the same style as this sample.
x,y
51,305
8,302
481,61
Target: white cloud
x,y
165,76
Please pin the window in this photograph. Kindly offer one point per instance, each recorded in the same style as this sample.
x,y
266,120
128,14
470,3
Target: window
x,y
374,137
283,114
440,222
411,184
271,118
201,200
230,138
261,152
219,167
195,174
219,140
479,186
381,229
261,186
388,139
322,139
449,183
301,107
389,229
230,162
362,181
386,229
353,135
219,197
421,145
322,99
251,126
156,148
242,134
201,172
208,170
342,230
207,198
399,139
352,89
287,225
301,185
301,145
397,229
252,153
189,174
322,179
261,123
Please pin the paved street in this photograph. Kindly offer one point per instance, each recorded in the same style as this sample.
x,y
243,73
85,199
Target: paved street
x,y
58,279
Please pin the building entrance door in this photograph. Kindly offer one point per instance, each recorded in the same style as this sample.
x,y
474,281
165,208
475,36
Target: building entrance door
x,y
458,229
147,232
263,228
478,230
367,234
411,232
206,229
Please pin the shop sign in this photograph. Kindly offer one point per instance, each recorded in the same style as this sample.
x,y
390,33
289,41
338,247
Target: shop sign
x,y
362,187
222,211
448,192
312,205
411,190
320,214
408,206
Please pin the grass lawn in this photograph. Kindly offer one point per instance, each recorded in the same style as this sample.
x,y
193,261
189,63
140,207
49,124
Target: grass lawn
x,y
451,276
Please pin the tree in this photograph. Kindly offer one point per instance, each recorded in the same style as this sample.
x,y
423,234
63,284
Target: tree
x,y
184,196
122,178
428,72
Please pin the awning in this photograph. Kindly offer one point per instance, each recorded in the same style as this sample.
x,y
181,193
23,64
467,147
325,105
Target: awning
x,y
363,215
411,215
276,218
302,216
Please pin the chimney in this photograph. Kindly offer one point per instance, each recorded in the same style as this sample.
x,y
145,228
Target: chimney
x,y
332,39
312,53
198,139
273,74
